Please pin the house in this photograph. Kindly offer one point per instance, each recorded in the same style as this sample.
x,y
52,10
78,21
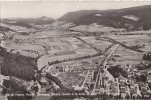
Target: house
x,y
77,87
123,84
114,92
149,78
124,92
44,81
134,90
122,79
123,95
145,89
48,68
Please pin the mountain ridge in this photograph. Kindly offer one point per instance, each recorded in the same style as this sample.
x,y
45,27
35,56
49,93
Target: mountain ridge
x,y
113,18
26,22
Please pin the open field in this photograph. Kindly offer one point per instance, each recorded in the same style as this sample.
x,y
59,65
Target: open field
x,y
132,40
63,48
45,34
52,44
94,27
76,44
88,51
124,56
26,49
101,45
64,44
55,48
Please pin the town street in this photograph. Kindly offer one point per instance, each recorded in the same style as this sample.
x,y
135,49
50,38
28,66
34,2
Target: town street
x,y
107,55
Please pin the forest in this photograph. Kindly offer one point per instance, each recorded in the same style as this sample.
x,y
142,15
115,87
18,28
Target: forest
x,y
17,65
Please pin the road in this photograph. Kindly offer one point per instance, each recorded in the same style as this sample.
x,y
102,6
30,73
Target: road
x,y
107,55
85,79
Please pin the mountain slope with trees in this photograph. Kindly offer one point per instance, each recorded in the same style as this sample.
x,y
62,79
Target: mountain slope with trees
x,y
17,65
118,18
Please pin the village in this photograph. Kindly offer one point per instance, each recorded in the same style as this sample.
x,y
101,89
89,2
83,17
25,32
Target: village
x,y
101,81
80,54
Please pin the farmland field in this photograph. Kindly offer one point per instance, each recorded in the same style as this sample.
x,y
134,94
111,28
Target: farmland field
x,y
45,34
133,40
54,49
124,56
101,45
23,47
54,44
76,44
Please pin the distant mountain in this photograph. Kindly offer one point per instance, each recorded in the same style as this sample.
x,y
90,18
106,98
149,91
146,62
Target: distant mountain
x,y
19,23
134,18
27,22
72,16
43,20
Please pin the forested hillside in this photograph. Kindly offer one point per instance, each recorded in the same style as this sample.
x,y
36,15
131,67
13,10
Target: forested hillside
x,y
17,65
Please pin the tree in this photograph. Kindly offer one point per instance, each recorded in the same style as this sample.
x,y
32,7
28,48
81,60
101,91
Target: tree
x,y
147,56
117,70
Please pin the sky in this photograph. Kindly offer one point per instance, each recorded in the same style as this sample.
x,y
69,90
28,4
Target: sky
x,y
35,9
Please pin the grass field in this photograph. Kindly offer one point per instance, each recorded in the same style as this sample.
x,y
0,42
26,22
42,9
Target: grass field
x,y
132,40
23,47
56,48
124,56
101,45
45,34
54,44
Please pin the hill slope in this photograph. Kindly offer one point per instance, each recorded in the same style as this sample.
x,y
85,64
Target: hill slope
x,y
19,23
135,18
26,22
5,29
17,65
43,20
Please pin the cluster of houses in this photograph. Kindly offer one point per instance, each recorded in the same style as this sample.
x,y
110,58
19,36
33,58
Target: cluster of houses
x,y
125,87
68,67
105,83
119,87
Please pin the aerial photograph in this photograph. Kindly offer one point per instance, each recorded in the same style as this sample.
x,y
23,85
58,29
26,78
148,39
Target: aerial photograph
x,y
75,50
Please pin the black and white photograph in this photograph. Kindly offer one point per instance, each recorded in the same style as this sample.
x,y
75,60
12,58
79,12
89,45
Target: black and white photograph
x,y
75,50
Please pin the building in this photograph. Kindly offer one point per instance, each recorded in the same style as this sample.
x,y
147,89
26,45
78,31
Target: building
x,y
122,79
